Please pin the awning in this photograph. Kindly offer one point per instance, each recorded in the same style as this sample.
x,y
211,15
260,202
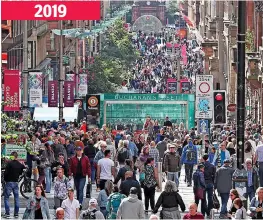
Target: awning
x,y
187,20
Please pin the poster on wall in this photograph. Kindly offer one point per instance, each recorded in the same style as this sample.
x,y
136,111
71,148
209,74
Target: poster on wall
x,y
83,85
52,93
68,94
35,89
11,92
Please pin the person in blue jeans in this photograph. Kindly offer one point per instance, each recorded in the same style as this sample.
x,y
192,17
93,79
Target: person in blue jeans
x,y
12,172
209,175
223,184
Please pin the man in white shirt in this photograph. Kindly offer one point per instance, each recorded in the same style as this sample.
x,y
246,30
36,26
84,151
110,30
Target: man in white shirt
x,y
105,169
71,206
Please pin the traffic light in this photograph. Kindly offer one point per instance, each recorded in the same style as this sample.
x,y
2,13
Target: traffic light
x,y
219,107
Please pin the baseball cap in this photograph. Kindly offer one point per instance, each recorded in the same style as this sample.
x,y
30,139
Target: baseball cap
x,y
200,166
78,148
227,161
93,202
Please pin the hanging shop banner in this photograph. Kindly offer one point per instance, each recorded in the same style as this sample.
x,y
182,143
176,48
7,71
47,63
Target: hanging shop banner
x,y
79,102
11,95
35,89
52,93
70,77
83,85
68,94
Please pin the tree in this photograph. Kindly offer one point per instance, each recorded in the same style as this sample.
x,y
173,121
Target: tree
x,y
172,7
112,66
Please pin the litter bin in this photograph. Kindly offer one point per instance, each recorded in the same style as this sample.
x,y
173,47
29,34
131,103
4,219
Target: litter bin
x,y
240,184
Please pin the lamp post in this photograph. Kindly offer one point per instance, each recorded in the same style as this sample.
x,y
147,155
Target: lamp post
x,y
61,72
25,66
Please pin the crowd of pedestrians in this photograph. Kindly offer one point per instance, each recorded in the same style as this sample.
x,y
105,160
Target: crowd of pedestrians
x,y
124,169
156,65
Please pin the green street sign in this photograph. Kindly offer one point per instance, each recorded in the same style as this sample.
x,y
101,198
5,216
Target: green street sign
x,y
21,151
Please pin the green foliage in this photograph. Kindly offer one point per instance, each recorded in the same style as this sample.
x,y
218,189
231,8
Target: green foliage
x,y
250,46
172,7
112,66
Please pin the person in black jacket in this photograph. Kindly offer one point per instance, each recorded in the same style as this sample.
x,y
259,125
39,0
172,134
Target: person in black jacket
x,y
121,174
170,199
128,183
12,172
90,151
60,163
209,175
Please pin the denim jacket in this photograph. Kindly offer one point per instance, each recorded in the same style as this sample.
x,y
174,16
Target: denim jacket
x,y
253,206
102,198
43,204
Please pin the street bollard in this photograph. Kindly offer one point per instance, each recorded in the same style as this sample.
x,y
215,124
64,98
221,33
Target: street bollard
x,y
160,175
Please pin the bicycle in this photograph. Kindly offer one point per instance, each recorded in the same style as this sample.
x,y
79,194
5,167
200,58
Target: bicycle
x,y
27,186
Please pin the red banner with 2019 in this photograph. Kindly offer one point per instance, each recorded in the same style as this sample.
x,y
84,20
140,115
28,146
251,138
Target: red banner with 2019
x,y
11,94
50,10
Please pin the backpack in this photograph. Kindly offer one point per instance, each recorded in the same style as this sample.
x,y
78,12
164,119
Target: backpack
x,y
115,201
123,155
90,214
190,154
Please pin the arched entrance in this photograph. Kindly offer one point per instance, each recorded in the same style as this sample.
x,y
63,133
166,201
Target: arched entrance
x,y
147,24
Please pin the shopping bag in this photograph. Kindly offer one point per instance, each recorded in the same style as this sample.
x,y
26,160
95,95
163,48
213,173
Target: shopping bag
x,y
88,190
199,193
216,204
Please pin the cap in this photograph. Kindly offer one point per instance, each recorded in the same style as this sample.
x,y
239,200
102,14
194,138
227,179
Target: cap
x,y
93,202
78,148
134,191
227,161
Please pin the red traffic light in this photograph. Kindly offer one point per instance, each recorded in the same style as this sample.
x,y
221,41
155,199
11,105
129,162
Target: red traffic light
x,y
219,97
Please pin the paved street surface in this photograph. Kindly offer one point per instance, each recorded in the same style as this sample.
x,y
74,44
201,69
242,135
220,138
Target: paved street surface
x,y
185,192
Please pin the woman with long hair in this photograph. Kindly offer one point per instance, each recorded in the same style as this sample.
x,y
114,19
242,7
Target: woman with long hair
x,y
170,199
249,151
37,206
149,183
141,160
233,195
103,197
256,205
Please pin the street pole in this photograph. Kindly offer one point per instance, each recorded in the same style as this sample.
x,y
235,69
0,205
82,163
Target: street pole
x,y
84,46
61,73
241,82
25,66
178,71
77,67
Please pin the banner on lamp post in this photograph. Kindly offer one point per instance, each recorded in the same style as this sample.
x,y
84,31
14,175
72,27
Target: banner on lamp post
x,y
83,85
70,77
52,93
35,89
68,94
11,92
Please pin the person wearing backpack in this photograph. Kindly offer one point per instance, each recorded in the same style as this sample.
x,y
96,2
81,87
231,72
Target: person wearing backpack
x,y
123,154
114,202
189,159
91,212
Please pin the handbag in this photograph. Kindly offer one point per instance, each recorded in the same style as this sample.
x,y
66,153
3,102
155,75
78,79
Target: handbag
x,y
88,190
216,204
199,193
26,214
142,177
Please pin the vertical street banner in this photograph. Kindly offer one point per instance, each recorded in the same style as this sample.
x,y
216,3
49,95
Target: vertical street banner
x,y
70,77
52,93
83,85
35,89
11,94
68,94
204,97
